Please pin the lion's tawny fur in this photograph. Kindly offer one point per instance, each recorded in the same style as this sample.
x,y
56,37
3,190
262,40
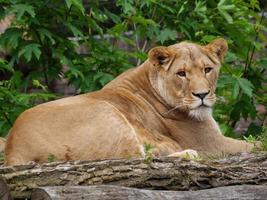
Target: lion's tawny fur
x,y
153,103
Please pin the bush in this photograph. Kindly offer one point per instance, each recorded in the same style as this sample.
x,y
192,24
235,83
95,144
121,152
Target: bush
x,y
44,37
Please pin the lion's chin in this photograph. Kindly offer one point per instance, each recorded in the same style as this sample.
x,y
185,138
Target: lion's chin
x,y
200,113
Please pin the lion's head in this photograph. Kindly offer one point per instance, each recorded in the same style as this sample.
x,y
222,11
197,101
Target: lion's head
x,y
185,75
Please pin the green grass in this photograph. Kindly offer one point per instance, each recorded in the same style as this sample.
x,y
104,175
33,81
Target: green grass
x,y
259,138
148,148
51,158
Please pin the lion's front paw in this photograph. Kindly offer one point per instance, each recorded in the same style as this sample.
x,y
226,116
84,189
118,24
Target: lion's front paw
x,y
188,154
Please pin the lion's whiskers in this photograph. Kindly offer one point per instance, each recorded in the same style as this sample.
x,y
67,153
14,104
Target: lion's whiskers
x,y
211,98
176,107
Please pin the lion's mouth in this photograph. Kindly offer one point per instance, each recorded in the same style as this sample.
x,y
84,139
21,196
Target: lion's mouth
x,y
202,104
201,112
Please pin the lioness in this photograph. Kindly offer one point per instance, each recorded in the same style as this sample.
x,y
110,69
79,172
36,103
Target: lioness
x,y
2,144
165,102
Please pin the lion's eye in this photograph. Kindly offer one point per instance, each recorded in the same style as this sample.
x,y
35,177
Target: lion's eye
x,y
208,69
181,73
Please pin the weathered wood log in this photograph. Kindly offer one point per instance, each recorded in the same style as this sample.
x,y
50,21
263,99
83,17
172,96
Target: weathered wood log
x,y
4,192
160,174
108,192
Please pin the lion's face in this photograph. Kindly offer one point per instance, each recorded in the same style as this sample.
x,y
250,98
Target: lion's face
x,y
185,75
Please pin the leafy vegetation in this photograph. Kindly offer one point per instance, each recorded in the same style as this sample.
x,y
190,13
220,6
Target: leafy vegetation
x,y
254,139
51,158
148,150
43,40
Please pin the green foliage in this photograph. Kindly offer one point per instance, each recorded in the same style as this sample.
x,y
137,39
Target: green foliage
x,y
148,148
44,37
263,139
258,138
51,158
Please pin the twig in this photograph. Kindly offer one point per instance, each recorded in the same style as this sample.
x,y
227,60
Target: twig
x,y
249,59
68,13
146,41
152,16
43,61
136,38
7,118
137,44
144,46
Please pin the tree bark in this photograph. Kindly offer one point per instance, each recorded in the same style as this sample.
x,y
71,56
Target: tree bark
x,y
4,192
160,173
108,192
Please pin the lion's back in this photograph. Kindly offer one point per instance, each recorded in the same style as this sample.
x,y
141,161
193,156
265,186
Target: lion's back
x,y
71,128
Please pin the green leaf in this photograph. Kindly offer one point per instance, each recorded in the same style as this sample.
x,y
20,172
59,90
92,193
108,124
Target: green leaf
x,y
21,9
166,34
76,3
126,6
246,86
166,7
37,84
76,73
93,24
254,129
76,32
200,7
182,8
103,78
224,6
44,33
141,20
117,29
10,38
230,57
16,79
221,2
29,50
4,66
115,18
208,38
228,17
98,15
236,89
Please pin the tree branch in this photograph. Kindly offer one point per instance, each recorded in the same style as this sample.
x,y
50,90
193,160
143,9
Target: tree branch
x,y
250,58
162,173
107,192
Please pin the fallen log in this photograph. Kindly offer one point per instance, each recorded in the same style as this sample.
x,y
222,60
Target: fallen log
x,y
160,173
4,192
107,192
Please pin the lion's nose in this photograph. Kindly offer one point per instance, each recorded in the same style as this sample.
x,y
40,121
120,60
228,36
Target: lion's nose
x,y
201,95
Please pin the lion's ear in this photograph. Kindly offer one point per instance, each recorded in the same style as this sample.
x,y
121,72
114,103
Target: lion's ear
x,y
218,47
161,56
